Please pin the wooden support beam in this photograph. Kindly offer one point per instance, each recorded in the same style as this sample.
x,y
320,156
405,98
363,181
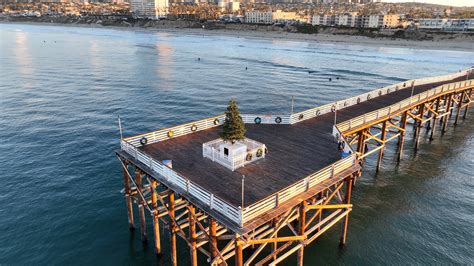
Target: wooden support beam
x,y
275,240
301,229
239,260
350,183
281,223
128,198
213,235
401,142
384,135
332,206
141,204
192,234
156,222
418,128
172,229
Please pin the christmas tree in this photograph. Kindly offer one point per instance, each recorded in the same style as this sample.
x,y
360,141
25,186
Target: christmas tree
x,y
233,128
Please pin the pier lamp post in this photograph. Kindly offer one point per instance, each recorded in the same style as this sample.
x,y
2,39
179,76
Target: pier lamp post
x,y
120,127
243,181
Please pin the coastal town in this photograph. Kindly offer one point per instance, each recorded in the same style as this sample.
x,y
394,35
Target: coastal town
x,y
319,13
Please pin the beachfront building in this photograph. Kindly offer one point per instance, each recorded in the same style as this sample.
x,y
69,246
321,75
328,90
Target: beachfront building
x,y
446,24
260,17
354,21
149,8
278,16
391,21
321,20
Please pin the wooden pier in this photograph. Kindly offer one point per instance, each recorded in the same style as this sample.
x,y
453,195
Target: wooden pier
x,y
274,207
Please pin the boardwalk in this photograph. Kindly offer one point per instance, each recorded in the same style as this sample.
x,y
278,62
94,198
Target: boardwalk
x,y
303,184
295,151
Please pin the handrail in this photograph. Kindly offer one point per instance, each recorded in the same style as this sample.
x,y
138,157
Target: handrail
x,y
341,104
172,176
396,107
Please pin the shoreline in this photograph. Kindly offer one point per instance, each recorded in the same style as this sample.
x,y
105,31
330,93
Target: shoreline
x,y
464,45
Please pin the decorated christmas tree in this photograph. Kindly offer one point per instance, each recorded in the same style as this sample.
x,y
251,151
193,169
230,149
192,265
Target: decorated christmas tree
x,y
233,128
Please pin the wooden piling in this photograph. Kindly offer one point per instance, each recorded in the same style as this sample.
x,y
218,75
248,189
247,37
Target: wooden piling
x,y
301,227
141,204
448,110
401,142
128,198
239,260
350,183
458,109
435,118
156,223
382,137
192,234
418,128
171,213
213,236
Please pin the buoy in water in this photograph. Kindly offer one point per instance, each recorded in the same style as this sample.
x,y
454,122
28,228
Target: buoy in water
x,y
337,77
330,79
199,58
245,68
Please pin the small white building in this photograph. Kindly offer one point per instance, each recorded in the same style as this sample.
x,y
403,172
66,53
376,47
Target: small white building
x,y
233,156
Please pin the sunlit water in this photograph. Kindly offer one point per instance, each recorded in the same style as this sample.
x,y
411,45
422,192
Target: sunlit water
x,y
61,89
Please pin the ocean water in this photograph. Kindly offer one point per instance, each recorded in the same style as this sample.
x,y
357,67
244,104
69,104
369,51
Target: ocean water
x,y
61,89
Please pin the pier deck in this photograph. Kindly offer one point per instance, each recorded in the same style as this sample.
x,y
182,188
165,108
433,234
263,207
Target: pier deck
x,y
295,151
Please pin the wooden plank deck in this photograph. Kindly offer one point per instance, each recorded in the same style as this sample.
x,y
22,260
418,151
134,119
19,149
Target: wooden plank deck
x,y
295,151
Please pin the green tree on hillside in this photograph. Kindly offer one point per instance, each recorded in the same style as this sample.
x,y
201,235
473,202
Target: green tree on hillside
x,y
233,128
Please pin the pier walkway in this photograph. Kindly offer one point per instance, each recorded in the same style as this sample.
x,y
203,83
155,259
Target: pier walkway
x,y
309,168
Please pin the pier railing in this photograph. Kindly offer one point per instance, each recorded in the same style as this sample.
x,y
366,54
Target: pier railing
x,y
338,105
394,108
276,199
171,177
266,119
177,131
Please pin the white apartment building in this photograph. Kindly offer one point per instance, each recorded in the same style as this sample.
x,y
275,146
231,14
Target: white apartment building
x,y
149,8
446,24
374,21
259,17
323,20
272,17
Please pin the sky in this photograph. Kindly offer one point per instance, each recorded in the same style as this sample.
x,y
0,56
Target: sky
x,y
439,2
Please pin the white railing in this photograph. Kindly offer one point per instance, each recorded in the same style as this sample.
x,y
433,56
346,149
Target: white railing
x,y
274,200
170,176
396,107
266,119
177,131
338,105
